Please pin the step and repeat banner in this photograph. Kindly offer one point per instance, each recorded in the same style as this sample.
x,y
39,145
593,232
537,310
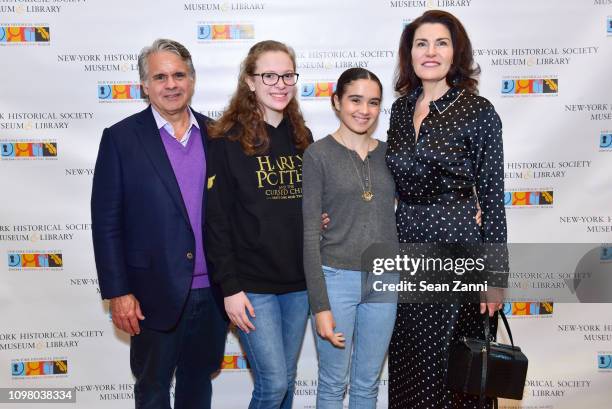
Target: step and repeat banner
x,y
69,70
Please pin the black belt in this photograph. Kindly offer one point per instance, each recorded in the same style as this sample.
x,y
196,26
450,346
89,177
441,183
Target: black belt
x,y
441,198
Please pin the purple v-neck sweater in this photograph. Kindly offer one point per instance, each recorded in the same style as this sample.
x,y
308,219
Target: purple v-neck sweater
x,y
189,165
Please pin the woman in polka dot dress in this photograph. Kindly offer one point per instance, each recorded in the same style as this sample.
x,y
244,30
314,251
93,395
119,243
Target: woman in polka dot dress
x,y
446,155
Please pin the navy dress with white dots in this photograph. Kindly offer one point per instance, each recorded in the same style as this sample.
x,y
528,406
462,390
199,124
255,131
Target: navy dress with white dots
x,y
459,151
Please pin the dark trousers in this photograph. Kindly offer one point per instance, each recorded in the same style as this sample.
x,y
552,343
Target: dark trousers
x,y
194,348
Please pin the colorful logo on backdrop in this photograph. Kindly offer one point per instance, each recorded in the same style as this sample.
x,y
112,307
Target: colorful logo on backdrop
x,y
530,86
225,31
605,141
46,260
39,368
117,92
609,25
513,309
24,34
529,198
604,361
28,150
236,362
317,89
606,253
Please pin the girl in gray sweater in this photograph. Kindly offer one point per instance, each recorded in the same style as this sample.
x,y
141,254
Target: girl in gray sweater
x,y
345,175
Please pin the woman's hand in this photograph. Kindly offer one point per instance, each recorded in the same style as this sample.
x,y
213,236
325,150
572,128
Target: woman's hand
x,y
493,300
325,328
324,221
478,217
235,306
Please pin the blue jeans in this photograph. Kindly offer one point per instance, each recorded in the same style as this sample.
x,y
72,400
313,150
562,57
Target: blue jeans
x,y
367,328
272,349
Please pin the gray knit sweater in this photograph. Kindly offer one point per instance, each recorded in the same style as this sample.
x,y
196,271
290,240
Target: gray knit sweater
x,y
331,184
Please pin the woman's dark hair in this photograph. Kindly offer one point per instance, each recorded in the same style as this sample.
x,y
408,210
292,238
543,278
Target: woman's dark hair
x,y
462,72
350,75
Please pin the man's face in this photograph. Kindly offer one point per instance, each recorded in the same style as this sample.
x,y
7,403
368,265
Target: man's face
x,y
169,83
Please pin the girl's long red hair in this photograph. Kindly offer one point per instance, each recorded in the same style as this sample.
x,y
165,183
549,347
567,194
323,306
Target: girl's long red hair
x,y
243,119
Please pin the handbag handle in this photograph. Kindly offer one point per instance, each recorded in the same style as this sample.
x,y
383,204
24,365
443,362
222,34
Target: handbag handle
x,y
484,359
507,327
487,330
485,355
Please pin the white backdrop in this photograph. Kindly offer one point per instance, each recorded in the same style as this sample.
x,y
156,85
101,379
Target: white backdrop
x,y
65,66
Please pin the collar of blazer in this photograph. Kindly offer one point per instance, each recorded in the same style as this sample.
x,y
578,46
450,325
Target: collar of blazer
x,y
150,139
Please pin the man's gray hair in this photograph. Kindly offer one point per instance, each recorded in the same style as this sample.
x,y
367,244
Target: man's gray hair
x,y
163,44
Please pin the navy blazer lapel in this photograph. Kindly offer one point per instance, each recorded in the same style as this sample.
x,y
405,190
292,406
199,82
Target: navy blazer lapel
x,y
154,147
203,128
203,123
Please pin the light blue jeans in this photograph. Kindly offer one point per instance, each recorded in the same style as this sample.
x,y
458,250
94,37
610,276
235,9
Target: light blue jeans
x,y
273,348
367,328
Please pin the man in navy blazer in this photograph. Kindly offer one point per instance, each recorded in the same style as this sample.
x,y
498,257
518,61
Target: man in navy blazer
x,y
147,205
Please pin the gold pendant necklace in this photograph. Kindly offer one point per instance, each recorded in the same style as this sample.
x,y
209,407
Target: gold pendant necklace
x,y
367,194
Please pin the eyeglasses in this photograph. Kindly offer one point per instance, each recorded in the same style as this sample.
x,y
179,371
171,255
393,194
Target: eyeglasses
x,y
271,78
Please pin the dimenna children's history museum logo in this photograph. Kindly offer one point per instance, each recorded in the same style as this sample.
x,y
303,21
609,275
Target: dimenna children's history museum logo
x,y
25,34
120,91
317,89
208,31
604,361
605,141
39,368
235,362
18,260
13,150
523,309
529,86
531,198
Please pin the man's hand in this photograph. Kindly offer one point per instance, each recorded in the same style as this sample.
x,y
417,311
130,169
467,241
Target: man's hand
x,y
235,306
325,328
126,313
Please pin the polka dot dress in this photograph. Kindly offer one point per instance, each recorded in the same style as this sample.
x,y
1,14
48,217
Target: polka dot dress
x,y
459,149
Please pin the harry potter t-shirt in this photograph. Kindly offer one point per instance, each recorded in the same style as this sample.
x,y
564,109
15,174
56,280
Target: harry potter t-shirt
x,y
254,215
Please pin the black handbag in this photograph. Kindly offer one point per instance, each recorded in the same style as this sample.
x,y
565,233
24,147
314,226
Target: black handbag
x,y
484,368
